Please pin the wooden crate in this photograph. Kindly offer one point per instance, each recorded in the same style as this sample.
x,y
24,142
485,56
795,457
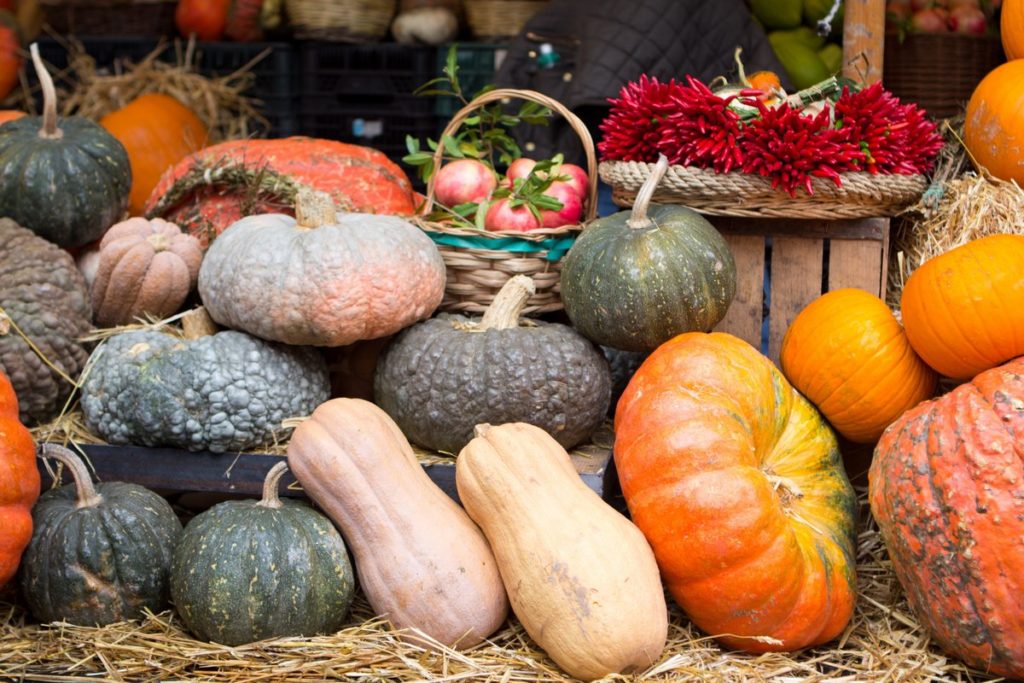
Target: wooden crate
x,y
803,259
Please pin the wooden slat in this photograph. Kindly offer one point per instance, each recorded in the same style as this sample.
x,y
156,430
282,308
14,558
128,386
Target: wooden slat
x,y
864,40
873,229
745,313
857,264
795,282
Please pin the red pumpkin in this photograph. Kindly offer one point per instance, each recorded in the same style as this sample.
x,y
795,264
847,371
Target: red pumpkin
x,y
206,19
19,482
947,489
10,53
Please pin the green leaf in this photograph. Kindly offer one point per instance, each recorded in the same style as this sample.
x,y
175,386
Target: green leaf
x,y
481,214
469,150
466,210
432,144
418,158
412,144
546,202
451,146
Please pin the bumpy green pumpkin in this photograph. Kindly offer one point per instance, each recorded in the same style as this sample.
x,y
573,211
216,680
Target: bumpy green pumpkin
x,y
635,280
223,392
46,297
98,554
66,180
442,377
246,570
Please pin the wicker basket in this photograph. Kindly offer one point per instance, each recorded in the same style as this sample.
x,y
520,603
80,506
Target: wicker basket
x,y
939,71
478,263
110,17
499,20
454,5
740,194
341,21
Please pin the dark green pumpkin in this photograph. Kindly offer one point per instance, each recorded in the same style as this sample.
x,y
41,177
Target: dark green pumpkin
x,y
634,280
442,377
98,554
67,180
246,570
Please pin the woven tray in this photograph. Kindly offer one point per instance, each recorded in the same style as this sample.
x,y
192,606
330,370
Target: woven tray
x,y
739,194
478,263
342,21
500,20
149,18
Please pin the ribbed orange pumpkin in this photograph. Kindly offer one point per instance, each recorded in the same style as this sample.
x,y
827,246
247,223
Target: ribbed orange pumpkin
x,y
737,484
945,489
994,127
19,482
848,354
964,310
158,131
10,115
1011,28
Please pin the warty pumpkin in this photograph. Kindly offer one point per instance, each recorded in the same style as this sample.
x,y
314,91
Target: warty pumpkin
x,y
157,132
442,377
945,488
964,310
994,124
422,563
321,279
145,268
99,553
1011,28
246,570
19,482
581,578
848,354
633,280
65,179
738,485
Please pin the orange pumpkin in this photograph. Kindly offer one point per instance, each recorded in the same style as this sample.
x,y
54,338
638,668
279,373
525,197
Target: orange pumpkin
x,y
964,310
10,55
10,115
737,484
847,353
158,131
994,127
206,19
19,482
1011,28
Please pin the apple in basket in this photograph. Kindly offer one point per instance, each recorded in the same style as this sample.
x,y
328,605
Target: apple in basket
x,y
578,179
503,216
464,181
572,206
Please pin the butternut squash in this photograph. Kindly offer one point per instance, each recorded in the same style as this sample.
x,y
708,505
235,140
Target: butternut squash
x,y
581,578
421,561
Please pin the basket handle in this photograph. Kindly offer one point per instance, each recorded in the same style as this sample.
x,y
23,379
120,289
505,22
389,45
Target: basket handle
x,y
533,96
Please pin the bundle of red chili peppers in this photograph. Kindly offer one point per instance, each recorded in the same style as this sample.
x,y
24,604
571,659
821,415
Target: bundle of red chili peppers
x,y
867,130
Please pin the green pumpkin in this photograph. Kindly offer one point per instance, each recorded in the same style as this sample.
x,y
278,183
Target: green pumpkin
x,y
98,554
66,180
246,570
634,280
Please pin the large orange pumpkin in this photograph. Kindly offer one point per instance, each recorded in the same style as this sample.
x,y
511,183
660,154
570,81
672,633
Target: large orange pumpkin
x,y
737,484
10,53
964,310
158,131
994,127
19,482
946,489
1011,28
10,115
848,354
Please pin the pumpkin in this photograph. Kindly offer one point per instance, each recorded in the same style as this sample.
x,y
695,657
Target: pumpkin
x,y
206,19
145,268
421,561
99,553
10,115
19,482
945,489
45,297
964,310
994,124
623,365
442,377
221,392
738,485
246,570
212,189
847,353
67,180
157,131
633,280
245,21
581,578
1011,28
10,53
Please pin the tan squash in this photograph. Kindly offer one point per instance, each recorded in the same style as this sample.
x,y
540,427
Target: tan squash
x,y
421,561
146,267
581,578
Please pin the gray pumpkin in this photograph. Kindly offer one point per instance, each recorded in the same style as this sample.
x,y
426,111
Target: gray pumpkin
x,y
98,554
224,392
442,377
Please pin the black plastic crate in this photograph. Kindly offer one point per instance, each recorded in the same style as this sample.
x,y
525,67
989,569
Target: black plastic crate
x,y
477,63
364,70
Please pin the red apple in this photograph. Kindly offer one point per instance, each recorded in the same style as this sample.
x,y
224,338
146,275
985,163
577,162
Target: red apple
x,y
502,216
930,21
572,206
578,179
968,19
463,181
520,168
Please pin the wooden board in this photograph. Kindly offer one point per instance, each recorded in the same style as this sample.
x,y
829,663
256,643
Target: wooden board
x,y
743,319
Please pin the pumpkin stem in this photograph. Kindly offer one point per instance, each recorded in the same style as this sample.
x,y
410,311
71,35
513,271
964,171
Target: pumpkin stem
x,y
87,494
197,323
508,304
314,209
639,218
49,129
270,498
160,242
